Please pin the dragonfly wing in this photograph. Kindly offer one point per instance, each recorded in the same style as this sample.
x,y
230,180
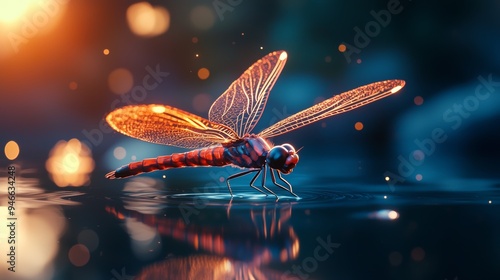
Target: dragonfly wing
x,y
169,126
336,105
240,106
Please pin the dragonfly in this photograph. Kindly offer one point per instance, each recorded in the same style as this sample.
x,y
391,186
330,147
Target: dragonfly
x,y
226,138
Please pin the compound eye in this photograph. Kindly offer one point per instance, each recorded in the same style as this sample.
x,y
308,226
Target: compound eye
x,y
288,147
277,157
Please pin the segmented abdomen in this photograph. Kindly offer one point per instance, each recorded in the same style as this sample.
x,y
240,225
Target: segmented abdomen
x,y
248,152
212,156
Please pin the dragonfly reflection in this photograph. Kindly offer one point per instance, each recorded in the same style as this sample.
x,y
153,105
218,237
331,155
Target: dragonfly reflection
x,y
264,237
206,267
226,138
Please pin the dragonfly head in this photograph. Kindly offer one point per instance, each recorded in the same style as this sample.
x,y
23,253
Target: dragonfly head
x,y
283,158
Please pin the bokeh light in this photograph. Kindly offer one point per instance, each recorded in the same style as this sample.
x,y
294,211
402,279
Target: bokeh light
x,y
202,102
147,21
203,73
418,100
79,255
418,254
119,153
419,177
342,48
393,215
70,163
73,85
89,238
395,258
418,155
358,126
120,81
105,51
202,17
11,150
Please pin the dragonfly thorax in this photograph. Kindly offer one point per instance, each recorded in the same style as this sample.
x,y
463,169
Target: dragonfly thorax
x,y
283,158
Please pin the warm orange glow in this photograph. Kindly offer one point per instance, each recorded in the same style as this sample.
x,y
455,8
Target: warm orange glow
x,y
418,100
203,73
11,150
342,48
70,163
146,20
120,81
358,126
13,10
105,51
21,15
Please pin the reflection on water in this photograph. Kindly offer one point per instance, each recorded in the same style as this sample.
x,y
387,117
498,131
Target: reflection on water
x,y
38,228
205,267
150,230
264,236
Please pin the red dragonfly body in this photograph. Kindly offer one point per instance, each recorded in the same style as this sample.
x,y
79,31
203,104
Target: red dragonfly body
x,y
248,152
225,139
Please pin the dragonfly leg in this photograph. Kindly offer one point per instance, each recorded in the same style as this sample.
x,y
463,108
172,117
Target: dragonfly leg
x,y
253,180
242,174
284,181
264,182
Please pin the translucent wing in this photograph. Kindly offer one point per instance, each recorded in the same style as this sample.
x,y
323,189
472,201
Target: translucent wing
x,y
336,105
240,106
169,126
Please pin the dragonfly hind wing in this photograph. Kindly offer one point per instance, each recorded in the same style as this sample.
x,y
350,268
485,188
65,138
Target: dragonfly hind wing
x,y
338,104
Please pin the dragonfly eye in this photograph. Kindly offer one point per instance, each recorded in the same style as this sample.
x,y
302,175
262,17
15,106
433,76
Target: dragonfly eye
x,y
277,157
288,147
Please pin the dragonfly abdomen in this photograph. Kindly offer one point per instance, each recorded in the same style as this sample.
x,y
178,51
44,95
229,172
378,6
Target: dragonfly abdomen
x,y
212,156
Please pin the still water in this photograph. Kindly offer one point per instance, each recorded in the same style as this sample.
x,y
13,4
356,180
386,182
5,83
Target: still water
x,y
338,229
